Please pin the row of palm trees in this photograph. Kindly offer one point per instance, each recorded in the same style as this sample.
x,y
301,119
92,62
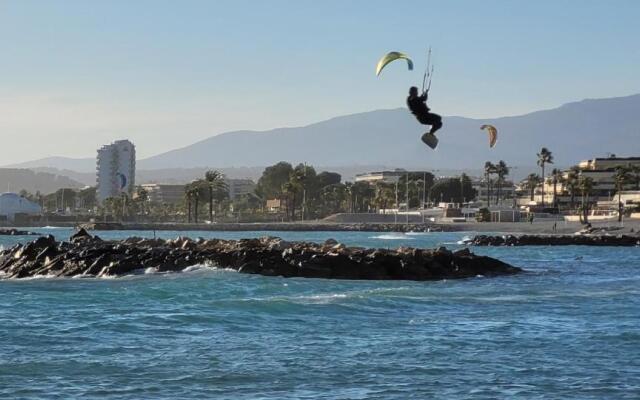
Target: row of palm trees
x,y
501,170
576,183
212,187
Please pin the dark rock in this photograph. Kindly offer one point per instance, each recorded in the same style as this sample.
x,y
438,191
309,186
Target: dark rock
x,y
556,240
266,256
80,235
16,232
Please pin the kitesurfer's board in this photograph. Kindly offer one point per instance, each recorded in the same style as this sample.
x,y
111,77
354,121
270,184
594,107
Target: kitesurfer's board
x,y
430,140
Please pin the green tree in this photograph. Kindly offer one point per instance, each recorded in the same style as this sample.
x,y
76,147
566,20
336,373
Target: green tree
x,y
531,183
635,175
449,189
489,169
141,200
621,178
304,181
273,178
216,187
361,196
573,184
501,171
194,193
544,157
556,178
333,196
326,178
385,196
87,198
247,202
289,196
586,187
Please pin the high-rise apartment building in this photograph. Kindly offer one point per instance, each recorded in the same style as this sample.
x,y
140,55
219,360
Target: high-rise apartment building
x,y
116,170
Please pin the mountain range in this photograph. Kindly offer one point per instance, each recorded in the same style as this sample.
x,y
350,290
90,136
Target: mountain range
x,y
574,131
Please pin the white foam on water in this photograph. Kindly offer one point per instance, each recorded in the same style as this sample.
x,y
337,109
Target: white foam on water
x,y
465,240
388,236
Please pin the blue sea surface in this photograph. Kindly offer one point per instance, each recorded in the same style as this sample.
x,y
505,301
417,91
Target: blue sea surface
x,y
568,328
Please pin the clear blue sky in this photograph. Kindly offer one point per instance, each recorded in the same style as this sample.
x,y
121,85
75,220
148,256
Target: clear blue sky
x,y
77,74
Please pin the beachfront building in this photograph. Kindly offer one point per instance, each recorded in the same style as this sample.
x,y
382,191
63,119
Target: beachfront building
x,y
240,187
12,204
500,195
116,170
164,193
601,170
274,205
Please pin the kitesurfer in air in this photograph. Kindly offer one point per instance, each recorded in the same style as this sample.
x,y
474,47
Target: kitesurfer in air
x,y
418,106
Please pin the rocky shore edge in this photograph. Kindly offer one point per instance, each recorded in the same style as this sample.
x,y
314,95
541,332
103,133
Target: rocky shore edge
x,y
555,240
89,255
16,232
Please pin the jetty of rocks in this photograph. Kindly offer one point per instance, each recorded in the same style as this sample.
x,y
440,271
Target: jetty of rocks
x,y
555,240
89,255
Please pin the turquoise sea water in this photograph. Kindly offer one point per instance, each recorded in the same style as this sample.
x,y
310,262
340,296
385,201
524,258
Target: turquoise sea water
x,y
568,328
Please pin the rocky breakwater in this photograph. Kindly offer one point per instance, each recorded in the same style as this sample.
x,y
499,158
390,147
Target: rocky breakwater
x,y
16,232
88,255
555,240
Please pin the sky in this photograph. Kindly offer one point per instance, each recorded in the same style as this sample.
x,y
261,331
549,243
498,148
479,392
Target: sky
x,y
78,74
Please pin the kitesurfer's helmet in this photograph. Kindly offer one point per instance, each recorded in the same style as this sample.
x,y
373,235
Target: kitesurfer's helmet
x,y
413,91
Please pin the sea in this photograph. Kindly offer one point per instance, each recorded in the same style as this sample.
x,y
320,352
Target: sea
x,y
566,328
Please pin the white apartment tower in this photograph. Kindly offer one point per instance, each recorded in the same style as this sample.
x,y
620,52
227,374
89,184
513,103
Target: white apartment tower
x,y
116,169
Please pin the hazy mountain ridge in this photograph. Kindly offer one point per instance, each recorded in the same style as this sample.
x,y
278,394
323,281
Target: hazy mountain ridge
x,y
15,180
573,131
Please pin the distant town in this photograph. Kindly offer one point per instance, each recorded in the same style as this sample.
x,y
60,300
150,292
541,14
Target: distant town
x,y
601,188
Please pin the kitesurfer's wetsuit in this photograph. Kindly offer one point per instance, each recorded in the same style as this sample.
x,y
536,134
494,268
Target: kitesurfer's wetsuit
x,y
418,107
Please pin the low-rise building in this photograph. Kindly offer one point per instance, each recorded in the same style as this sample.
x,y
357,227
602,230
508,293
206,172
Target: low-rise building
x,y
600,170
239,187
274,205
12,204
164,193
388,176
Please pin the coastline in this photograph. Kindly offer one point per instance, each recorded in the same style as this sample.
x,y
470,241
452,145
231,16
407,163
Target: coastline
x,y
537,227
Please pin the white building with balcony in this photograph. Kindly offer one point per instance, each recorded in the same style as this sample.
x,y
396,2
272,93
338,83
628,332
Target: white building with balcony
x,y
116,170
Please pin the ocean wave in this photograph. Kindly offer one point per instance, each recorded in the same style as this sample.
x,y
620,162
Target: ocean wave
x,y
464,240
198,268
390,236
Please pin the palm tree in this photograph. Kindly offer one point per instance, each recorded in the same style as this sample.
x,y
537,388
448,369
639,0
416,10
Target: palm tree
x,y
142,197
501,170
384,196
586,186
621,178
193,198
532,182
348,189
188,194
489,169
573,182
544,157
556,177
289,192
635,178
216,183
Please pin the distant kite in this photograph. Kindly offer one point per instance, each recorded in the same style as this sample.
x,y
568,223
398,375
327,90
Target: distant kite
x,y
389,58
493,134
